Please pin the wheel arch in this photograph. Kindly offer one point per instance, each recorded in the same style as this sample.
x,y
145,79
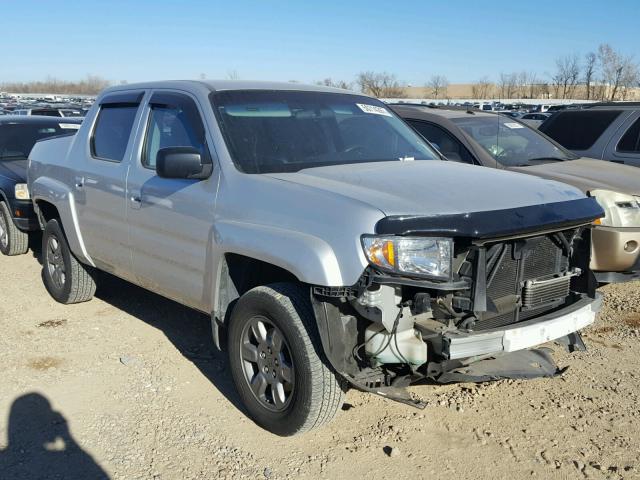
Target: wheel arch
x,y
51,197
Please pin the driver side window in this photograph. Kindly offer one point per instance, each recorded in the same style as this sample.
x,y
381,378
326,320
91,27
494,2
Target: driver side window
x,y
446,143
174,121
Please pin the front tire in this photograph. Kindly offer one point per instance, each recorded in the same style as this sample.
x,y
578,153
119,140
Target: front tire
x,y
66,279
277,360
13,241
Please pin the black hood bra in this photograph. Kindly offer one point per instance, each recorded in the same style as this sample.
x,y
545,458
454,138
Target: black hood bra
x,y
496,223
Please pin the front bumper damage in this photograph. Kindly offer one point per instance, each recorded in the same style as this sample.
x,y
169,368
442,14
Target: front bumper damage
x,y
523,335
513,289
505,353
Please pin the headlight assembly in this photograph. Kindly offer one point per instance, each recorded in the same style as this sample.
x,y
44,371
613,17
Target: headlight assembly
x,y
621,210
416,256
21,191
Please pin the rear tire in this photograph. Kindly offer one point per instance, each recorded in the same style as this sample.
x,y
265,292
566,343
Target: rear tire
x,y
300,391
66,279
13,241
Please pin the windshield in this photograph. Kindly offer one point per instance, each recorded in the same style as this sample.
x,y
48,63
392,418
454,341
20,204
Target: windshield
x,y
17,139
286,131
511,143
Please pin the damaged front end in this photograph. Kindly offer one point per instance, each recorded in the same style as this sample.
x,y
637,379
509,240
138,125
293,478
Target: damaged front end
x,y
485,290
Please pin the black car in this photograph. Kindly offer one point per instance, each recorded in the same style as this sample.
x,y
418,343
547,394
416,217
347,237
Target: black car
x,y
18,134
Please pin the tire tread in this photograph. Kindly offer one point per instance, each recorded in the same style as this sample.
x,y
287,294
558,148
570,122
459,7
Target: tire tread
x,y
326,400
83,285
18,240
324,394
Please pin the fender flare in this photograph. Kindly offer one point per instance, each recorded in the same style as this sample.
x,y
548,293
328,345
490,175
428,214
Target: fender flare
x,y
309,259
60,196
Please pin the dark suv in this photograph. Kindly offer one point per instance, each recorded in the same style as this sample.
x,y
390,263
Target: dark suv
x,y
18,135
606,131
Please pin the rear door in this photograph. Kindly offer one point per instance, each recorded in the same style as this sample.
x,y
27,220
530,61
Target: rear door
x,y
99,182
171,220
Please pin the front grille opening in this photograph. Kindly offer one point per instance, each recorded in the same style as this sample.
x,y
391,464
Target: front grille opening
x,y
525,278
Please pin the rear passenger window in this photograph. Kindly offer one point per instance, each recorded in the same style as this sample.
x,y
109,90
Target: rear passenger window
x,y
174,121
630,141
580,129
112,131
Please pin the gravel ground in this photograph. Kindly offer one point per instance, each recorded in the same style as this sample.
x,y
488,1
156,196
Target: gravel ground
x,y
128,386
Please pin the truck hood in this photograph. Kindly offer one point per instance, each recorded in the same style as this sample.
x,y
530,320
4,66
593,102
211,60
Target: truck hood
x,y
15,170
588,174
432,187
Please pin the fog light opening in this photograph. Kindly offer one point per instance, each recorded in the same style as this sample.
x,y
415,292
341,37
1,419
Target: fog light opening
x,y
631,246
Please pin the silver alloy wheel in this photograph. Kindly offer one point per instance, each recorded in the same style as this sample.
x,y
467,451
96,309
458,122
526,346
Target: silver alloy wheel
x,y
267,363
4,232
55,262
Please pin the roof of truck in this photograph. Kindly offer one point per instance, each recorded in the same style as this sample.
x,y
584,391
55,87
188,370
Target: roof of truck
x,y
221,85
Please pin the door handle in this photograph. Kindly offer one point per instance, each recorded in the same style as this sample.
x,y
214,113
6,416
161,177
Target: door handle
x,y
136,201
79,183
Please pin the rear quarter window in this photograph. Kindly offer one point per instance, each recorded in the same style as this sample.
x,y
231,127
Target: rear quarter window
x,y
579,130
630,141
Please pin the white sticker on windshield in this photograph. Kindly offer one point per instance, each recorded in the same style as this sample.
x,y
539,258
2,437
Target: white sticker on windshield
x,y
72,126
513,125
373,109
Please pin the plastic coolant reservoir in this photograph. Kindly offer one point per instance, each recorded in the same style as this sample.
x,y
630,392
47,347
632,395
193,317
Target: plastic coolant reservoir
x,y
409,345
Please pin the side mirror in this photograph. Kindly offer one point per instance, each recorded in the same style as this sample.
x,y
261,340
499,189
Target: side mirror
x,y
181,162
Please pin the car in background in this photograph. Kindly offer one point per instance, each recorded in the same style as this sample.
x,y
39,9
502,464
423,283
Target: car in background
x,y
606,131
542,108
534,119
43,112
497,141
18,135
512,114
71,112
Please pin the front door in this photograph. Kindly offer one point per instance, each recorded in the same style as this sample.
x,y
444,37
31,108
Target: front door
x,y
171,220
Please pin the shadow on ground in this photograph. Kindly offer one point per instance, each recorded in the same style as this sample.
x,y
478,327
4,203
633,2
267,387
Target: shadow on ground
x,y
40,445
188,330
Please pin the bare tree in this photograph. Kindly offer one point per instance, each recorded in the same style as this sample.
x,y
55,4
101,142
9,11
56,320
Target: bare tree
x,y
590,63
508,85
329,82
381,85
482,89
438,85
91,85
567,75
544,90
619,72
233,75
630,79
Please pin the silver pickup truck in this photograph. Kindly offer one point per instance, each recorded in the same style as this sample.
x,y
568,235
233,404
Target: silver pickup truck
x,y
330,244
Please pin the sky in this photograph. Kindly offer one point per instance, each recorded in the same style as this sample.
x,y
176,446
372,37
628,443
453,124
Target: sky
x,y
138,40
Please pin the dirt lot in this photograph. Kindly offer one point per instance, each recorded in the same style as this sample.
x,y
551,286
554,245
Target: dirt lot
x,y
128,386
